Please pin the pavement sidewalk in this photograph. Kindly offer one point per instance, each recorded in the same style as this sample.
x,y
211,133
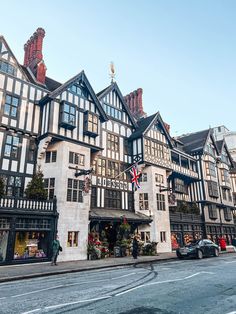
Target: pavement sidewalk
x,y
27,271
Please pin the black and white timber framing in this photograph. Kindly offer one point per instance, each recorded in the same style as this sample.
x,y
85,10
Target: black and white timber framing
x,y
66,128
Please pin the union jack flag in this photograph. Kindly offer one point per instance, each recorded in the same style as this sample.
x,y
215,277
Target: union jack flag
x,y
135,176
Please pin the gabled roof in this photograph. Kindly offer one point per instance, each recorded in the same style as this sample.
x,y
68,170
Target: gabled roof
x,y
62,87
194,143
145,124
222,145
50,84
114,87
13,56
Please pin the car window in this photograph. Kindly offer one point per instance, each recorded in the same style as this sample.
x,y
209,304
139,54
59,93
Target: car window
x,y
207,242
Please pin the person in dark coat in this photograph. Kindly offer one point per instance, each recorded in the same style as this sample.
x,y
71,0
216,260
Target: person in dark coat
x,y
234,242
56,247
135,248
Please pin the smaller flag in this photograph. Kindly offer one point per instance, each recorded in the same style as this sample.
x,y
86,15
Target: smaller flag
x,y
135,176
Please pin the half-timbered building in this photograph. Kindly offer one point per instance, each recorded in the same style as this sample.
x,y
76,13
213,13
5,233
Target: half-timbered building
x,y
214,190
186,221
151,148
112,195
26,227
85,144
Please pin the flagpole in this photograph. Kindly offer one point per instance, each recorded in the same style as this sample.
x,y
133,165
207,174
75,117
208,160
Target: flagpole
x,y
126,170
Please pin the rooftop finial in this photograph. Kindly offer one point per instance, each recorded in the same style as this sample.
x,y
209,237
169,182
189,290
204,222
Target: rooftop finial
x,y
112,72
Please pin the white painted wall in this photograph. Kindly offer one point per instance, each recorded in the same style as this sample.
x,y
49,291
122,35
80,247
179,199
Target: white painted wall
x,y
73,216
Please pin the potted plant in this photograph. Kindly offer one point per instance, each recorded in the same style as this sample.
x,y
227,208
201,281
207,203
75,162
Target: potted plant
x,y
150,248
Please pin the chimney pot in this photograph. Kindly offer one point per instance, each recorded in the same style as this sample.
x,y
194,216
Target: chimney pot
x,y
136,103
34,56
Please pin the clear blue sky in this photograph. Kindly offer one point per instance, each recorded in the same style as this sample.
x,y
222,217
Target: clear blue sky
x,y
182,53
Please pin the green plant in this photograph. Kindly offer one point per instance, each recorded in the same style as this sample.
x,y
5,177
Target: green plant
x,y
194,209
35,188
124,230
150,248
182,207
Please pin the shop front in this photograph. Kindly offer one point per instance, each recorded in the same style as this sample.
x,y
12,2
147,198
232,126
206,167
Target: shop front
x,y
185,228
27,236
216,231
111,230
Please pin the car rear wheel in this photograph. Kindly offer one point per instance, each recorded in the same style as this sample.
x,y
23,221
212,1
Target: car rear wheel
x,y
216,253
199,254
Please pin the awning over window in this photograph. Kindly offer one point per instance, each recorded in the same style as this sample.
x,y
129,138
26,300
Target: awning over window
x,y
117,215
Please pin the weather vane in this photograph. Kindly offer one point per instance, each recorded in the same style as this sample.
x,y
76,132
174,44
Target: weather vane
x,y
112,72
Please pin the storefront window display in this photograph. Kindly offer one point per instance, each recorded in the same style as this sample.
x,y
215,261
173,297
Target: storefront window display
x,y
3,244
175,240
188,238
31,244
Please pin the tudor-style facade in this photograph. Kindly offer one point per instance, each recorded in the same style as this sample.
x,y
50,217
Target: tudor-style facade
x,y
186,221
151,149
214,190
112,196
67,130
71,128
26,228
59,128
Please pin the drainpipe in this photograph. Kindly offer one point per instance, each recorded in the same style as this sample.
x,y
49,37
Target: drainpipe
x,y
204,196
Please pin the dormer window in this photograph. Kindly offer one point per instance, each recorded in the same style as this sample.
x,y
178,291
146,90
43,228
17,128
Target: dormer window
x,y
79,90
67,115
90,124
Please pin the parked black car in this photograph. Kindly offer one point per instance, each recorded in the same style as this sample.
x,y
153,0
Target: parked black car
x,y
198,249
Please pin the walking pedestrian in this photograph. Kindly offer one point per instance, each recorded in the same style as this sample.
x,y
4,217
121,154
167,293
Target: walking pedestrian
x,y
222,244
234,241
56,247
135,248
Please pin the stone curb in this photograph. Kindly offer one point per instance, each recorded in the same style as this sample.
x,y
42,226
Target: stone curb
x,y
78,270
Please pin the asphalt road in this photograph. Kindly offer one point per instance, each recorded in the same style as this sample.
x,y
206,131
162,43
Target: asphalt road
x,y
186,286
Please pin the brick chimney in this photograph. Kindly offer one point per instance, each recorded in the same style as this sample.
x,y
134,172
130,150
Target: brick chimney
x,y
167,126
135,102
34,56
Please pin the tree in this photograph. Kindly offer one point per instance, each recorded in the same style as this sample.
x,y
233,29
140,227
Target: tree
x,y
1,187
35,188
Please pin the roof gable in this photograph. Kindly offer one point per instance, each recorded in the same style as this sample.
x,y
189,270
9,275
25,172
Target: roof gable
x,y
111,97
199,142
79,80
224,152
194,143
210,145
9,61
153,122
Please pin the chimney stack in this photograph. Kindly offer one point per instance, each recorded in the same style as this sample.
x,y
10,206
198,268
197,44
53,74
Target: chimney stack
x,y
167,126
34,55
135,102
